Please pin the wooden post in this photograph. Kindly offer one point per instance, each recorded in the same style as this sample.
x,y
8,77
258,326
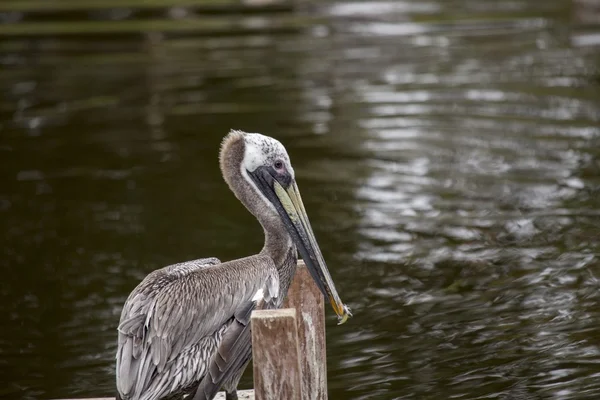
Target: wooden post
x,y
307,299
276,355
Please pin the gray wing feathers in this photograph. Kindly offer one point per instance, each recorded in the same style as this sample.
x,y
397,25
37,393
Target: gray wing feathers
x,y
173,321
235,350
142,343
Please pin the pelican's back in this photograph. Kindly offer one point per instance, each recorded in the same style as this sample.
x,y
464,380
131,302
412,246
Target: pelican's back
x,y
173,322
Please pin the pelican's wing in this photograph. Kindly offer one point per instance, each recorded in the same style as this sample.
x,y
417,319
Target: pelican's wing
x,y
171,323
235,349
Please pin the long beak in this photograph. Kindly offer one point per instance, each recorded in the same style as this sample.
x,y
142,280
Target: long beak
x,y
304,237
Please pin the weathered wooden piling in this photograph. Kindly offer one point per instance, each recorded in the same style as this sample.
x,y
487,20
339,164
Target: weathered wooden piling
x,y
288,346
306,298
276,355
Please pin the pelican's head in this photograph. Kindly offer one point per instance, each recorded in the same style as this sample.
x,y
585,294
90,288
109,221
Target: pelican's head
x,y
265,165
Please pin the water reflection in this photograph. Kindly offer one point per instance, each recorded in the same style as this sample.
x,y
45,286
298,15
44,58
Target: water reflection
x,y
447,153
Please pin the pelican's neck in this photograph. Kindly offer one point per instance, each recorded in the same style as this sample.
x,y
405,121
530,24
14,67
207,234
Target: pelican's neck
x,y
278,243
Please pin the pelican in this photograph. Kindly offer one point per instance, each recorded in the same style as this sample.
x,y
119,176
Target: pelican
x,y
185,328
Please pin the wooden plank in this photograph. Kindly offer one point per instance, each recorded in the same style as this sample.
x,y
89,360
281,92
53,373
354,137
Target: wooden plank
x,y
242,395
276,355
214,25
33,6
71,5
307,299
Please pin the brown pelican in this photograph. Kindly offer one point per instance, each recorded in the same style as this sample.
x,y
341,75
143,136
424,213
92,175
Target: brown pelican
x,y
185,327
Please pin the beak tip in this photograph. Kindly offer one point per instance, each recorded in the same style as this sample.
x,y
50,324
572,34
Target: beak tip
x,y
346,313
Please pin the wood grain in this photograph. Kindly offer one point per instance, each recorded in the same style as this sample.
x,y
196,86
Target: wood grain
x,y
307,299
276,355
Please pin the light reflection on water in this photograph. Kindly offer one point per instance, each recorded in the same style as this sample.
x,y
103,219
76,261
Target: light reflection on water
x,y
447,153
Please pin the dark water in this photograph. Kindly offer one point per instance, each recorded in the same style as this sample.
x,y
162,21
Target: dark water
x,y
448,153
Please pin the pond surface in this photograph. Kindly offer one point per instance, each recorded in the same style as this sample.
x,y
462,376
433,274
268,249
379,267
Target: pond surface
x,y
448,153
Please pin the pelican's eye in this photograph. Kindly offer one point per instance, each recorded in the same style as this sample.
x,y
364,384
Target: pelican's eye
x,y
278,165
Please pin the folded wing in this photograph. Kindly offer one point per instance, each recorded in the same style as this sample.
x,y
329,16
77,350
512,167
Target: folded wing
x,y
175,320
